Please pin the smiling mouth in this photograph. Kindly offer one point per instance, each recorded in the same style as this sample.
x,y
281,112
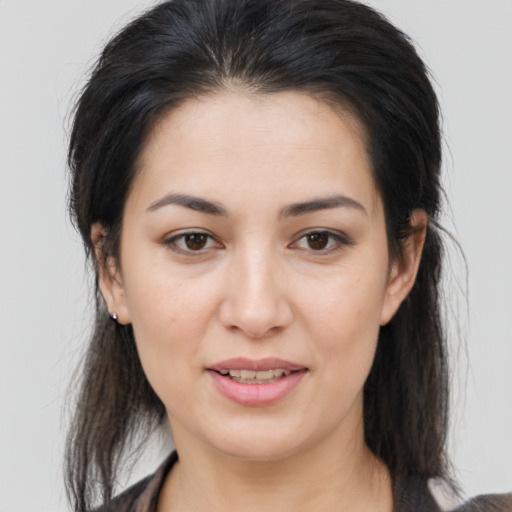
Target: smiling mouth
x,y
255,377
256,382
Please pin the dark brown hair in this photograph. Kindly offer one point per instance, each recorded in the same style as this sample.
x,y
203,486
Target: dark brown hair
x,y
338,50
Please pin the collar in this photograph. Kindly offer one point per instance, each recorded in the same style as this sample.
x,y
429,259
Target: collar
x,y
147,500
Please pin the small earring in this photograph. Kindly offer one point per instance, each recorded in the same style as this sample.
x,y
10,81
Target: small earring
x,y
113,317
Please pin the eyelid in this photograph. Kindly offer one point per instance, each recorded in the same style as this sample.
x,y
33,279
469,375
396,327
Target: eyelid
x,y
170,240
342,240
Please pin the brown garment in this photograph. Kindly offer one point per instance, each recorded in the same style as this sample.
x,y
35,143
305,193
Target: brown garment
x,y
411,496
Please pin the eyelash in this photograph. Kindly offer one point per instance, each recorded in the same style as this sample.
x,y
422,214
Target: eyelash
x,y
335,242
174,241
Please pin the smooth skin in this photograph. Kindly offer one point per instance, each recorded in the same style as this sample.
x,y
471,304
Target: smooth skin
x,y
254,229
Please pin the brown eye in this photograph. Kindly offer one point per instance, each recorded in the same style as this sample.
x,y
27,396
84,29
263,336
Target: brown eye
x,y
195,241
322,242
317,241
192,243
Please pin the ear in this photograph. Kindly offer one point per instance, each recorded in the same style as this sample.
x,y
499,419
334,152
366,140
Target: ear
x,y
404,270
110,279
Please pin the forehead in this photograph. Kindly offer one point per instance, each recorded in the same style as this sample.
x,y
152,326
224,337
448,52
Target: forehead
x,y
289,142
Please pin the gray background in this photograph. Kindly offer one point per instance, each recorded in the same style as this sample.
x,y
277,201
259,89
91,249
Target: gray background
x,y
45,51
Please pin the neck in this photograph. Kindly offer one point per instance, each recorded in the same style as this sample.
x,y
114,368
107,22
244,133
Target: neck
x,y
347,478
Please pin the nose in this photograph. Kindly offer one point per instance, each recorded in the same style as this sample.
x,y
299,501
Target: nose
x,y
256,301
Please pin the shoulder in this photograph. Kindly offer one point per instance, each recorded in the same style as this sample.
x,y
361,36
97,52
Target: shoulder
x,y
488,503
128,500
415,495
142,496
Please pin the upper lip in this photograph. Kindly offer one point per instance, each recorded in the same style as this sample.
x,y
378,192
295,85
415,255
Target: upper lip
x,y
268,363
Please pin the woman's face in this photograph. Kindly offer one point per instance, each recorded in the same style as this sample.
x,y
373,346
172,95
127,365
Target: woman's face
x,y
254,240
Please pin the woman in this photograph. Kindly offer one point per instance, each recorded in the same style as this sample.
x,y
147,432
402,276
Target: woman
x,y
257,184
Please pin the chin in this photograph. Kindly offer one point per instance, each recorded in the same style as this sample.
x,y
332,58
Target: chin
x,y
257,451
266,442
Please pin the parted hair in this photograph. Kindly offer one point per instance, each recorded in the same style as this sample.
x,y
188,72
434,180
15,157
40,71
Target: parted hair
x,y
339,51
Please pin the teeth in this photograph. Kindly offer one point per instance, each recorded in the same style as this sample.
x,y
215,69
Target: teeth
x,y
265,374
279,373
256,377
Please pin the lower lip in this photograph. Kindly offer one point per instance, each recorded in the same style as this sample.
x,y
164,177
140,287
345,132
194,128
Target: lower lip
x,y
254,395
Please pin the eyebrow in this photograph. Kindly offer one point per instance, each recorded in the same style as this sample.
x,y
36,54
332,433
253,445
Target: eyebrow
x,y
193,203
321,203
293,210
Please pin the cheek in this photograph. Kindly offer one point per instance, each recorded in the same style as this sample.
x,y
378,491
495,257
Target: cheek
x,y
160,295
345,322
170,317
347,307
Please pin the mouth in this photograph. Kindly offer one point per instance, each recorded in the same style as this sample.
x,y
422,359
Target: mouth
x,y
255,377
256,371
257,382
